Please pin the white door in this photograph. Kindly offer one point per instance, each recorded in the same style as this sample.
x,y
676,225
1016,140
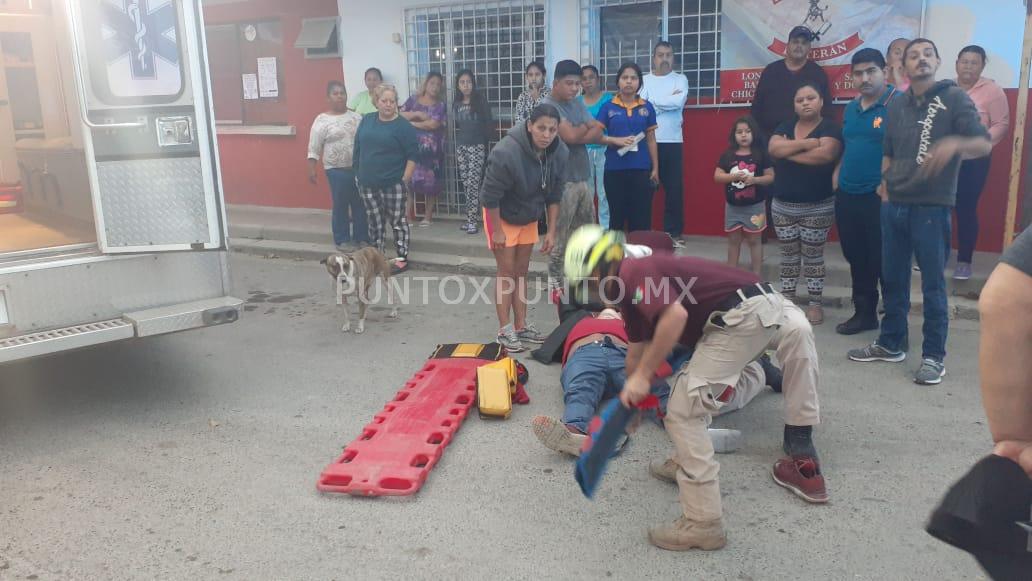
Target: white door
x,y
149,136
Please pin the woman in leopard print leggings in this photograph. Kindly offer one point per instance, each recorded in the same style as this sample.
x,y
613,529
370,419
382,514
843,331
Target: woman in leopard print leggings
x,y
474,128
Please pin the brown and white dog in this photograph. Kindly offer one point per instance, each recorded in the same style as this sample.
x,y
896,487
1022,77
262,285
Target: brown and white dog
x,y
353,275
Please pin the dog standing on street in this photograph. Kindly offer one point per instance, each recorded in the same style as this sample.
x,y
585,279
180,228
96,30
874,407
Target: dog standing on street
x,y
353,275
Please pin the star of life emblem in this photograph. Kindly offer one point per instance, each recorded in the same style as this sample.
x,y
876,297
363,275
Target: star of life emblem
x,y
141,47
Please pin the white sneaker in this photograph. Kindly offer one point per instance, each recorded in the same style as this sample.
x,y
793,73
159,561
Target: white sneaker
x,y
554,435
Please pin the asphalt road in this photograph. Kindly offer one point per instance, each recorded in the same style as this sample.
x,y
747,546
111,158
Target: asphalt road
x,y
195,456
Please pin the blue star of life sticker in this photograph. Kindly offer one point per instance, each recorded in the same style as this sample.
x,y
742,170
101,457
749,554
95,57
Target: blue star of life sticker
x,y
143,29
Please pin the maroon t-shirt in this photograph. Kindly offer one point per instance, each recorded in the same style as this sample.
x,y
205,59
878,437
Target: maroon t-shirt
x,y
652,284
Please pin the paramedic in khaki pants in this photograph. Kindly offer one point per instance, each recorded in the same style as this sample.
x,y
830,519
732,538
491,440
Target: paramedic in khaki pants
x,y
730,318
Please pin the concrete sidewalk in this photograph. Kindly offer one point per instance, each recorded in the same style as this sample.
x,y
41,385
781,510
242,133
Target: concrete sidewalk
x,y
305,234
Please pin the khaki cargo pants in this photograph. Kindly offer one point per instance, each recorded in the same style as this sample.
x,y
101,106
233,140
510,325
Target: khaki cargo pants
x,y
576,209
730,343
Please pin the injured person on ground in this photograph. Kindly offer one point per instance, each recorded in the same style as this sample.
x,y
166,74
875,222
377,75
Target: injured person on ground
x,y
594,355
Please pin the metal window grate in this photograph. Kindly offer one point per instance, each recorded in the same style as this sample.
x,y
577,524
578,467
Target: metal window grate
x,y
495,40
694,31
691,26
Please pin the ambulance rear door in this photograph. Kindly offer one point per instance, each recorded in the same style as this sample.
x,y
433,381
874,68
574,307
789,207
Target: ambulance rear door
x,y
144,103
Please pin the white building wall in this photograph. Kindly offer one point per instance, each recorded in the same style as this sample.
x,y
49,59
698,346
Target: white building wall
x,y
996,25
367,27
366,31
563,32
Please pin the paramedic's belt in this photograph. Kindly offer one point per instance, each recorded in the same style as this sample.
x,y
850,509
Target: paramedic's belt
x,y
743,294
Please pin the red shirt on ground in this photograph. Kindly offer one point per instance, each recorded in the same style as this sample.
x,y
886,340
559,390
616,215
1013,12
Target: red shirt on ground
x,y
615,327
590,326
653,283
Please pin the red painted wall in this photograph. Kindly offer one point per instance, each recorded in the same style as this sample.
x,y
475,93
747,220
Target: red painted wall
x,y
705,132
271,170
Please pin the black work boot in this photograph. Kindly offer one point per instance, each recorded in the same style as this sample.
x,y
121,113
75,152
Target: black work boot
x,y
865,318
799,441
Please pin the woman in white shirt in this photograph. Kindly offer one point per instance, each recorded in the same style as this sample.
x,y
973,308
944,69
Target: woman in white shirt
x,y
332,139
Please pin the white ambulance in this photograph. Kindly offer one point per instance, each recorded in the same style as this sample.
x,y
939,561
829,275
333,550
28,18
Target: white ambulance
x,y
112,222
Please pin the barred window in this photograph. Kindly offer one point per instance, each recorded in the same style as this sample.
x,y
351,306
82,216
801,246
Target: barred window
x,y
694,31
496,41
614,32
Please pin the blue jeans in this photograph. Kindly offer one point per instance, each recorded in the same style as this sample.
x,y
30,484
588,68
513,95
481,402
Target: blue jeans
x,y
922,232
595,372
345,198
596,183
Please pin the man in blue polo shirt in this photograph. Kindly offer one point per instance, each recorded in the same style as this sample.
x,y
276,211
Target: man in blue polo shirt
x,y
632,158
857,204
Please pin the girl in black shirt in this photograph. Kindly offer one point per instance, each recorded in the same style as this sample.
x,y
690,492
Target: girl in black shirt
x,y
805,151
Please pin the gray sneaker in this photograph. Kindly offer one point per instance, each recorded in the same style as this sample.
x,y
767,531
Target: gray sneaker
x,y
875,352
508,338
530,334
930,372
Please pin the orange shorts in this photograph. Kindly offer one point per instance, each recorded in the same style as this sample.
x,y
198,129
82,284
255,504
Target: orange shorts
x,y
515,235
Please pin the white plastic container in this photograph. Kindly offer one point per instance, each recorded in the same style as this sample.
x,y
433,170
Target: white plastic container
x,y
725,441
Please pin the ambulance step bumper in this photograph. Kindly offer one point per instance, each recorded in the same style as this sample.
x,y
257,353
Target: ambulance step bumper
x,y
192,315
67,338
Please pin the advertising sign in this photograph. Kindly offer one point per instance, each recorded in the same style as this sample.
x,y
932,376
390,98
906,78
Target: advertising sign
x,y
755,32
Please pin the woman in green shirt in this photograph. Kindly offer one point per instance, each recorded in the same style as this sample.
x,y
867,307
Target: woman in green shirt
x,y
362,103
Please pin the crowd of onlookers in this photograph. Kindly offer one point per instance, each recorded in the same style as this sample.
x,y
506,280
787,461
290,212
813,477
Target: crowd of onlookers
x,y
789,163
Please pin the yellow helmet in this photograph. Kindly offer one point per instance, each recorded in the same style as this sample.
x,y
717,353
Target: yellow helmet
x,y
591,249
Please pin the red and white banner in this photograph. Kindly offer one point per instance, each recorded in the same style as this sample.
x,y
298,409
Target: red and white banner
x,y
755,33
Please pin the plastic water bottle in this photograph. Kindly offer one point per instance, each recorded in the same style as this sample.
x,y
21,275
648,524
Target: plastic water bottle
x,y
724,440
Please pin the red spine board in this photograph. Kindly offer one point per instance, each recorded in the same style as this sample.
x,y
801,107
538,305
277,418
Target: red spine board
x,y
396,451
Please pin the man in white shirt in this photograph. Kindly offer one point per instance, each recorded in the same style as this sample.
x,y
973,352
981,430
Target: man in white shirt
x,y
668,91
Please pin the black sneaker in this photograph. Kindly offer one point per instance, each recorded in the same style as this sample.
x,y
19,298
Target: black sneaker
x,y
774,375
857,324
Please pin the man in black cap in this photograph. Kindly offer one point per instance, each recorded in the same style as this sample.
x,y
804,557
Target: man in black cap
x,y
780,79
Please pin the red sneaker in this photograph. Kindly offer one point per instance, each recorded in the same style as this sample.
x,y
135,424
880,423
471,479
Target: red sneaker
x,y
802,476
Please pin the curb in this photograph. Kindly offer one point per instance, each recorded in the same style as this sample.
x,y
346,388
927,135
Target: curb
x,y
960,307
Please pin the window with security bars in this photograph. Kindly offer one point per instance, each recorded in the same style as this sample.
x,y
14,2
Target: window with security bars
x,y
495,40
613,32
627,33
693,28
